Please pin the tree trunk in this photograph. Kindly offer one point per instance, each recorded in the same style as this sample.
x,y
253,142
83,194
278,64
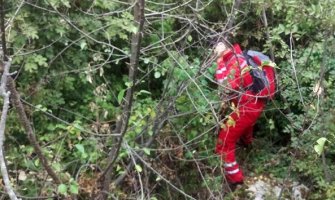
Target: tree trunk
x,y
16,101
122,124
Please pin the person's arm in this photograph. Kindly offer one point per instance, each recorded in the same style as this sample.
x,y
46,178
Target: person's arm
x,y
229,73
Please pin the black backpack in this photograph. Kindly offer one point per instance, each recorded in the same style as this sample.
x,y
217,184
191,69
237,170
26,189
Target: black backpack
x,y
260,79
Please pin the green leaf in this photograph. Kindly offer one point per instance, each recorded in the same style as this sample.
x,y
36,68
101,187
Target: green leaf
x,y
189,154
30,30
138,168
146,151
133,29
144,92
231,122
74,188
272,124
189,38
33,61
57,167
319,147
66,3
83,44
128,84
37,162
158,178
146,60
41,61
30,67
157,74
62,189
118,168
80,148
120,96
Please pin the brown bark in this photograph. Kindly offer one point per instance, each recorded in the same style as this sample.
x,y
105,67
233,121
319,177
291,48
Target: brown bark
x,y
16,102
121,127
232,18
5,94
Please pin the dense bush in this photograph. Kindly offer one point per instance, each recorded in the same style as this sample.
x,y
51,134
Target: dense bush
x,y
72,59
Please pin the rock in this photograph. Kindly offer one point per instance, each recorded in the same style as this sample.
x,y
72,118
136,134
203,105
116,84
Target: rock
x,y
266,187
262,190
299,192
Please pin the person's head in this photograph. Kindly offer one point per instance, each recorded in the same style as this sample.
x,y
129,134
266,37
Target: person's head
x,y
221,48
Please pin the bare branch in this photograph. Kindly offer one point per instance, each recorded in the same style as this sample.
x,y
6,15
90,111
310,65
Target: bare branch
x,y
232,17
15,99
158,174
122,124
88,35
295,71
5,94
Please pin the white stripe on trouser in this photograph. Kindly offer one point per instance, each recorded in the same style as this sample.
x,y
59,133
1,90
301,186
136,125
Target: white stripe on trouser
x,y
230,164
235,171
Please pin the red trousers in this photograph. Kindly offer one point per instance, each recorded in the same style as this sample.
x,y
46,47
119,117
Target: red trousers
x,y
248,112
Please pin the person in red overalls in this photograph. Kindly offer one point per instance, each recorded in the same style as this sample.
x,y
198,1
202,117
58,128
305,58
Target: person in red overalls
x,y
232,74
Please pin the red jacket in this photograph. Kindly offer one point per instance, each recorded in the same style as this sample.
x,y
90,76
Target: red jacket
x,y
232,72
229,70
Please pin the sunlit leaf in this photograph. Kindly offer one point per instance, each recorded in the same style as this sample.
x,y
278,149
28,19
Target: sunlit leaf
x,y
138,168
74,188
319,147
146,151
62,189
157,74
120,96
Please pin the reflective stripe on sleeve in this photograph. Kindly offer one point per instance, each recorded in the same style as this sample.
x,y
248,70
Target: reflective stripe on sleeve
x,y
220,71
235,171
230,164
222,79
243,64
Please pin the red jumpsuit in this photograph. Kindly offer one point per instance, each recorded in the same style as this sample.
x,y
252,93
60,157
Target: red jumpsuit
x,y
248,109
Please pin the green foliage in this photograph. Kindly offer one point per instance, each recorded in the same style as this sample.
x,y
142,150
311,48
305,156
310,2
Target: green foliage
x,y
72,59
71,188
319,147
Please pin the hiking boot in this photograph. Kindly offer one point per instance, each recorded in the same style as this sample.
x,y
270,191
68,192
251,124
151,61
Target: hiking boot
x,y
235,178
236,186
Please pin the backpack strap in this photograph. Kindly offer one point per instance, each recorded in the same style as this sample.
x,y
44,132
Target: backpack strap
x,y
242,65
256,60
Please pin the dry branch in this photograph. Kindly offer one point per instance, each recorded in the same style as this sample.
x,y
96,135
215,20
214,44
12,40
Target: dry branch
x,y
5,94
15,100
4,66
23,118
232,17
122,124
165,109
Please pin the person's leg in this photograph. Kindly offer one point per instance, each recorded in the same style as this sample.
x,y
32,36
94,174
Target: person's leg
x,y
244,118
254,110
247,137
226,148
226,145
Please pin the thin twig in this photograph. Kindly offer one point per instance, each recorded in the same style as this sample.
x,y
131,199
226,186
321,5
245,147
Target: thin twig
x,y
294,70
158,174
